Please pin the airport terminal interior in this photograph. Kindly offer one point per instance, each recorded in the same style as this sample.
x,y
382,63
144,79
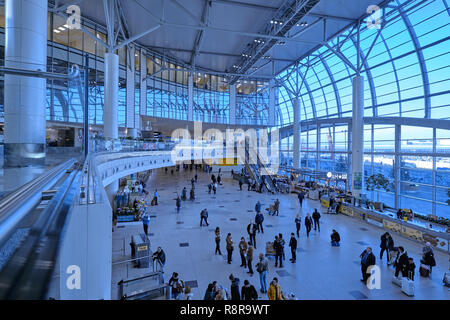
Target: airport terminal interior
x,y
225,149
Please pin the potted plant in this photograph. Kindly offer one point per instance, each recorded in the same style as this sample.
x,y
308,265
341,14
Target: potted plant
x,y
376,182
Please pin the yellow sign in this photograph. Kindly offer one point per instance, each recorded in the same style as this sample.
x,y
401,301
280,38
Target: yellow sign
x,y
325,202
142,248
347,210
228,162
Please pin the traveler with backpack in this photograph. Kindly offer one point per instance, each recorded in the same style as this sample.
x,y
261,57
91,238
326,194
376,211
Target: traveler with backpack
x,y
177,286
262,267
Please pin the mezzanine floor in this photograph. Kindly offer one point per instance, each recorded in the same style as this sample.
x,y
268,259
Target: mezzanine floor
x,y
321,272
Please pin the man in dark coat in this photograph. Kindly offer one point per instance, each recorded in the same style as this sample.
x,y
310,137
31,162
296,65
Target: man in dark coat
x,y
248,291
259,218
387,243
278,252
316,218
235,295
251,230
293,245
301,196
308,224
367,259
401,262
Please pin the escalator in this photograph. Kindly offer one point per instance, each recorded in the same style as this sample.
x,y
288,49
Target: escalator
x,y
259,171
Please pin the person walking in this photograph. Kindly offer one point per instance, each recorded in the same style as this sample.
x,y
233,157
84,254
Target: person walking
x,y
235,295
243,251
428,256
195,178
145,223
192,194
240,184
386,244
316,218
248,292
276,207
155,197
298,223
250,258
301,196
184,194
258,206
259,218
210,188
367,260
251,230
230,248
274,292
262,267
278,252
215,188
293,245
217,239
177,286
204,217
219,179
308,224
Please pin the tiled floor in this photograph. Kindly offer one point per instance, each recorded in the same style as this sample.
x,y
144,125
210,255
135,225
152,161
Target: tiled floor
x,y
321,271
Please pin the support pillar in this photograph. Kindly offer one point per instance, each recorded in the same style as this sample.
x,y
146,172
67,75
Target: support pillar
x,y
272,117
191,97
358,137
111,128
232,104
25,97
296,134
130,90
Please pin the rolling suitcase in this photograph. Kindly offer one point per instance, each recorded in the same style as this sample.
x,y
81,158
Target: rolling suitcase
x,y
424,271
408,287
446,279
397,281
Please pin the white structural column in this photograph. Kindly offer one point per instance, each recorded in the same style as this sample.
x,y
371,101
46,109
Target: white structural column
x,y
232,115
272,103
111,128
296,127
190,97
358,137
24,97
143,87
130,91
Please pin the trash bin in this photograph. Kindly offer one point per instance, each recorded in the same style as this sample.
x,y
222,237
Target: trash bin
x,y
140,249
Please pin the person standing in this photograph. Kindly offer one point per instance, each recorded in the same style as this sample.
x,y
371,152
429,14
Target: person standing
x,y
184,194
160,257
219,179
178,203
217,232
240,184
293,245
251,230
278,252
204,217
274,292
367,260
259,218
386,244
215,187
262,267
282,243
210,188
308,224
301,196
428,256
195,178
298,221
316,218
401,262
250,258
242,251
335,239
145,223
235,295
248,292
192,194
230,248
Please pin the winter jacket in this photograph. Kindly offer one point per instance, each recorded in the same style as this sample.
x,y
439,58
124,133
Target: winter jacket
x,y
274,292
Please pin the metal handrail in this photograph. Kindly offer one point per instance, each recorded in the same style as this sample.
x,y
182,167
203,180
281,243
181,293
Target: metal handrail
x,y
16,205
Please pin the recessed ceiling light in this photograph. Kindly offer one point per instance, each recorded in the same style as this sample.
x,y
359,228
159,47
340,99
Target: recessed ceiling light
x,y
56,31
